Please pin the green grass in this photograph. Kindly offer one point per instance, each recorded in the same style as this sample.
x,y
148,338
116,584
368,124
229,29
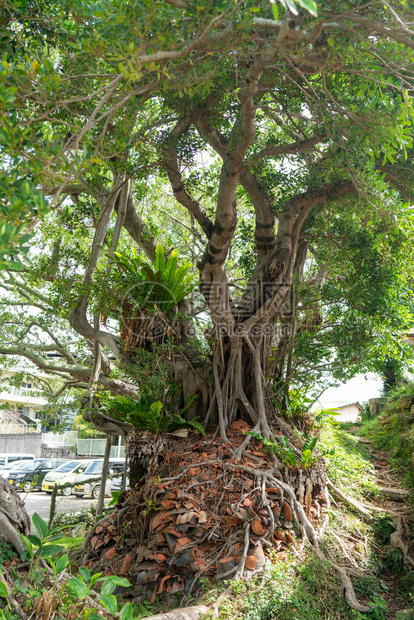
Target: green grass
x,y
393,431
349,464
296,589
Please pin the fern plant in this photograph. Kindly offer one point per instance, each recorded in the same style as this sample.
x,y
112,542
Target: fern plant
x,y
146,414
163,285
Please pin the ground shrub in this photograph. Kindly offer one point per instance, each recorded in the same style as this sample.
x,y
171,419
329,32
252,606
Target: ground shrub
x,y
393,431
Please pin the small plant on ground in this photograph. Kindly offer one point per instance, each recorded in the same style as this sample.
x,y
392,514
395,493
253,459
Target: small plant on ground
x,y
287,454
39,546
7,553
383,528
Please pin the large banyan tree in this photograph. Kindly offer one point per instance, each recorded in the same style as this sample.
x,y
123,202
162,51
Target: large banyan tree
x,y
145,142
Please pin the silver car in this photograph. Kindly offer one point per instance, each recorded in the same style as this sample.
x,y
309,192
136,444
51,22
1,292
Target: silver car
x,y
64,477
89,483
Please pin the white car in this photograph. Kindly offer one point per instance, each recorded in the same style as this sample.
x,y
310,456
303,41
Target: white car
x,y
64,476
13,466
7,459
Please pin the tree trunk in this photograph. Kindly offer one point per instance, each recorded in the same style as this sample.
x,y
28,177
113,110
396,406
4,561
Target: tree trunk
x,y
13,517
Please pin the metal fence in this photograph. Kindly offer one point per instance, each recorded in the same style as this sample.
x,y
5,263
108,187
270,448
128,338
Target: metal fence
x,y
58,440
96,447
75,507
83,447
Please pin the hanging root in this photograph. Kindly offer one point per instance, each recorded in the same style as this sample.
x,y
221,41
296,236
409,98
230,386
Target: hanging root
x,y
396,538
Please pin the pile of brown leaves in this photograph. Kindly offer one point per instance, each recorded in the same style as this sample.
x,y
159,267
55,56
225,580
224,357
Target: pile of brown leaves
x,y
201,522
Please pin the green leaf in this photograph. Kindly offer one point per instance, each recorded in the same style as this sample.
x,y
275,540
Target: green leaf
x,y
171,267
79,589
306,455
62,563
48,550
118,581
28,544
197,425
35,540
310,6
95,577
126,612
3,590
275,10
108,587
85,574
109,602
331,41
40,525
155,409
159,263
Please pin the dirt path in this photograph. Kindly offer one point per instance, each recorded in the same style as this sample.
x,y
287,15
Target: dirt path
x,y
393,499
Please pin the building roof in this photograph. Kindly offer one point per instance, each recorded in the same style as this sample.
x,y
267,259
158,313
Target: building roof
x,y
356,404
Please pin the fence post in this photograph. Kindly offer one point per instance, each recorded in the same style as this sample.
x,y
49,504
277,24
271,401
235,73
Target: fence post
x,y
101,498
52,511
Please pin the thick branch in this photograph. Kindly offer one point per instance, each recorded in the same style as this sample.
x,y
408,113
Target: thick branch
x,y
282,262
299,146
265,221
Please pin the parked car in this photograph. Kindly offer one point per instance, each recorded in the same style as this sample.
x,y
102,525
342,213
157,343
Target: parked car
x,y
66,474
116,482
31,478
89,483
6,457
14,466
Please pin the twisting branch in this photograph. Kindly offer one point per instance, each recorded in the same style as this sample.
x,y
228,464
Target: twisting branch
x,y
78,317
288,149
176,180
136,228
265,221
240,139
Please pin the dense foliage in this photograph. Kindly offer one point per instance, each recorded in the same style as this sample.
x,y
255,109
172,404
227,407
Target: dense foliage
x,y
147,145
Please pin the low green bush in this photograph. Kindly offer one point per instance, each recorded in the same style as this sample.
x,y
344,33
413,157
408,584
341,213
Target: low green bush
x,y
393,431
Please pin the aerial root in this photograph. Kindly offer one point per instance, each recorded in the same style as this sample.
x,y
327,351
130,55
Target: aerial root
x,y
347,587
364,512
396,538
309,532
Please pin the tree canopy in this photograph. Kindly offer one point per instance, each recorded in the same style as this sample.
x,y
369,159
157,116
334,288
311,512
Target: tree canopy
x,y
202,203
